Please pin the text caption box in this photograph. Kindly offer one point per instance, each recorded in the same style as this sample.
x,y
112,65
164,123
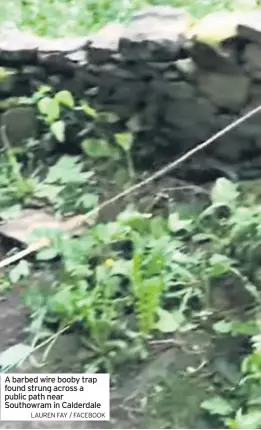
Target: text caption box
x,y
55,397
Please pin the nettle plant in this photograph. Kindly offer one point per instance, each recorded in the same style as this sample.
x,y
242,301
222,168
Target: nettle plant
x,y
67,184
112,286
53,109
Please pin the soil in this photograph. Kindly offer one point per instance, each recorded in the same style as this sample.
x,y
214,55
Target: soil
x,y
128,410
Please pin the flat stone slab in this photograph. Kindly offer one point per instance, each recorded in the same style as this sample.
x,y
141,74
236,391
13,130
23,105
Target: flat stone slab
x,y
250,27
155,33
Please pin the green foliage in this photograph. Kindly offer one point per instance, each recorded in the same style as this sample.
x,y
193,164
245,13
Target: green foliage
x,y
53,109
19,271
169,322
14,356
64,17
140,276
217,406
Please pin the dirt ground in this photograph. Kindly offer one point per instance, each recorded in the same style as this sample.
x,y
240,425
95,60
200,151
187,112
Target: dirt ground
x,y
68,356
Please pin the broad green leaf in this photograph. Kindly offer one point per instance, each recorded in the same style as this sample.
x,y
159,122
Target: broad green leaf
x,y
187,327
11,213
175,224
181,257
14,356
121,176
97,148
220,264
65,98
224,192
251,420
50,108
109,117
134,219
202,237
89,111
217,406
88,201
47,254
124,140
53,234
248,328
122,267
68,169
256,341
21,270
169,322
158,227
48,191
222,326
58,130
44,89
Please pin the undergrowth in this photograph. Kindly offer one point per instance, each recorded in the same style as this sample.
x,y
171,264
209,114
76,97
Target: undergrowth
x,y
140,277
65,17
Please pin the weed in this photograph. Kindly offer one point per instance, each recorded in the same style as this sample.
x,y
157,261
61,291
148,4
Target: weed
x,y
140,277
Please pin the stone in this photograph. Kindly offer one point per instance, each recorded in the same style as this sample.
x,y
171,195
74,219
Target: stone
x,y
20,124
192,118
255,93
8,103
63,45
134,124
79,57
165,87
18,47
149,117
177,90
105,43
114,72
33,77
187,68
230,146
128,93
171,75
160,66
180,90
217,27
33,72
250,27
252,60
123,111
224,90
146,70
214,58
251,128
56,63
87,75
155,34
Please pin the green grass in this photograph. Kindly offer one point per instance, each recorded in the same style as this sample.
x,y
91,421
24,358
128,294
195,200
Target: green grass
x,y
66,17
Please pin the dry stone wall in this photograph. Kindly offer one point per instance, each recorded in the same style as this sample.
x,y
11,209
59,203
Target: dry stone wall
x,y
171,90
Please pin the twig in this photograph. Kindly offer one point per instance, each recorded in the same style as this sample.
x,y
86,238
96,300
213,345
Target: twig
x,y
46,341
80,220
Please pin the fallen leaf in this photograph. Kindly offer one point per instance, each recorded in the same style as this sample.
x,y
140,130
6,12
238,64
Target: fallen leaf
x,y
29,220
